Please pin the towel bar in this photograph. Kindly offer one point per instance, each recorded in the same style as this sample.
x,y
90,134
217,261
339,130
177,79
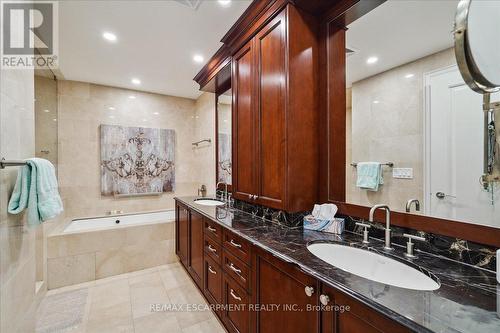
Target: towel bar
x,y
389,164
198,142
4,163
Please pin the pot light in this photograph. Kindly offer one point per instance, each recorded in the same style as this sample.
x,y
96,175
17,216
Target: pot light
x,y
111,117
156,113
136,81
46,111
131,97
224,3
376,101
54,119
111,108
198,58
109,36
371,60
409,75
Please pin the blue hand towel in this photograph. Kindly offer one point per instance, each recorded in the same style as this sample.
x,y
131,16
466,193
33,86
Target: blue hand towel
x,y
36,189
369,175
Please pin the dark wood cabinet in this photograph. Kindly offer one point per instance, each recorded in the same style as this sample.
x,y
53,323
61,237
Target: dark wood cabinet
x,y
275,114
262,293
182,233
293,294
213,281
236,314
243,122
196,244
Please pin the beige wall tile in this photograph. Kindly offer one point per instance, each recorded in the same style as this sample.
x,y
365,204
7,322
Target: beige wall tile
x,y
69,270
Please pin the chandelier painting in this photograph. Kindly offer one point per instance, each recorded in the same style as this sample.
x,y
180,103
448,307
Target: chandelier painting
x,y
137,160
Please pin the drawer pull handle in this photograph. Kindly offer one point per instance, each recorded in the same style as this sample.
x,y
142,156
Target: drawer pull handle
x,y
236,297
309,291
212,229
234,269
210,269
212,249
235,244
324,299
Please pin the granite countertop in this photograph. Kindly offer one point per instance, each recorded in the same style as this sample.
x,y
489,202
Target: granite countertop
x,y
468,300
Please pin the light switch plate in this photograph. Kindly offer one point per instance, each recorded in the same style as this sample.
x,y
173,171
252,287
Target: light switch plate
x,y
402,173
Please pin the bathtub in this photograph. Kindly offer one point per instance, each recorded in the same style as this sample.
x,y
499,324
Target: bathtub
x,y
80,225
95,248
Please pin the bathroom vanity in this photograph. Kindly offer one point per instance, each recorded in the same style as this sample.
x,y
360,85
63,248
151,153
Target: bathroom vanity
x,y
260,277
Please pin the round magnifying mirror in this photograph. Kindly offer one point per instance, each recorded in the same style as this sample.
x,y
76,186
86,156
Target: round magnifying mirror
x,y
477,44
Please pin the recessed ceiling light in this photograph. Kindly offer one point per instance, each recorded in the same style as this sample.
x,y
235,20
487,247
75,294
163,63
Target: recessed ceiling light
x,y
109,36
144,119
111,117
224,3
47,111
131,97
54,119
156,113
136,81
409,76
111,108
198,58
371,60
376,102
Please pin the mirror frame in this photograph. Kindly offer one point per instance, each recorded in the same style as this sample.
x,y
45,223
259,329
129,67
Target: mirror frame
x,y
333,161
468,67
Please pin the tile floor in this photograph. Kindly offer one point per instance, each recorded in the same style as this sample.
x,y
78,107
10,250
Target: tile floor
x,y
122,303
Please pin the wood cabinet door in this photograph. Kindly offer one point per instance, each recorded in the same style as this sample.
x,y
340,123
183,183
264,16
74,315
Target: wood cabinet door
x,y
270,49
244,140
280,291
195,263
350,316
182,233
236,313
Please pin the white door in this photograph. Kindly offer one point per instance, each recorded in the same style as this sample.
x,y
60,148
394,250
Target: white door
x,y
454,151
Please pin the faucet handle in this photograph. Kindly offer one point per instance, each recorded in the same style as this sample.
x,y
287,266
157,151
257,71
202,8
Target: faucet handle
x,y
410,245
365,231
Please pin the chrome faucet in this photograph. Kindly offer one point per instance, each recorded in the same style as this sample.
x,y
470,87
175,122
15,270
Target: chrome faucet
x,y
387,223
225,195
417,205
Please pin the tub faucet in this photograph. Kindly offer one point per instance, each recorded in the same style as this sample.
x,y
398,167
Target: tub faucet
x,y
417,205
387,223
225,196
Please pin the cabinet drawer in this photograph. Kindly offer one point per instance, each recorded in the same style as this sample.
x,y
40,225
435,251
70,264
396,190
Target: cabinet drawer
x,y
213,230
237,246
236,313
213,249
213,281
236,269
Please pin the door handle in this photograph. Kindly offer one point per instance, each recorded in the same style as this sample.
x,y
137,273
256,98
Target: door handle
x,y
442,195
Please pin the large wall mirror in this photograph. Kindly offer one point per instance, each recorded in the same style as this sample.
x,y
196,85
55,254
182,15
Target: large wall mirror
x,y
415,129
224,161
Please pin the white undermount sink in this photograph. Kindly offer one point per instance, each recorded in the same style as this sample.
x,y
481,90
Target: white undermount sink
x,y
373,266
209,202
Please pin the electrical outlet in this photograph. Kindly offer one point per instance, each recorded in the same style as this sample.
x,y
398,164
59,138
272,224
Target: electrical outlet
x,y
402,173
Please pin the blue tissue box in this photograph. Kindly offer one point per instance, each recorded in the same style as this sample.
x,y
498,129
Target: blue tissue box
x,y
335,226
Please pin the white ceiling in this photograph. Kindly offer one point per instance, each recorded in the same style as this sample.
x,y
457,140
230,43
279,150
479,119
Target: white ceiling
x,y
156,41
398,32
